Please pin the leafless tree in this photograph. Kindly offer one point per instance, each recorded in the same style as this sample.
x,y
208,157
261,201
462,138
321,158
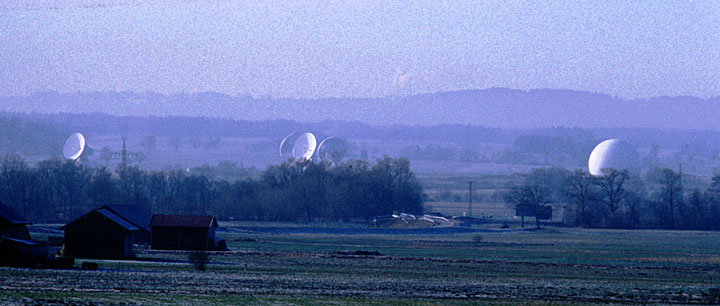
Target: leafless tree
x,y
671,194
532,195
580,192
611,185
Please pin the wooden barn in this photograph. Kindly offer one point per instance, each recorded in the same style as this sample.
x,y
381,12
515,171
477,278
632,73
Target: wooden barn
x,y
16,248
100,233
183,232
137,216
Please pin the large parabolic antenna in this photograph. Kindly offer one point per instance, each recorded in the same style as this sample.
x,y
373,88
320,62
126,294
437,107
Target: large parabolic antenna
x,y
286,146
613,153
74,146
304,147
332,149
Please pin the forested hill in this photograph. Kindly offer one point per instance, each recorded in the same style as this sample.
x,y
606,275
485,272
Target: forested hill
x,y
495,107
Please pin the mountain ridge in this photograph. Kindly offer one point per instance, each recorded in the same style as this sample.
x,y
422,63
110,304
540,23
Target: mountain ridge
x,y
493,107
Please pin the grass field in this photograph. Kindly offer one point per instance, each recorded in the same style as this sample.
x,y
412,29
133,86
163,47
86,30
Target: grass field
x,y
488,266
487,191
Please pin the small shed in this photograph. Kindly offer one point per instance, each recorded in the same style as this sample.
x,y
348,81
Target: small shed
x,y
17,252
99,234
16,248
13,224
183,232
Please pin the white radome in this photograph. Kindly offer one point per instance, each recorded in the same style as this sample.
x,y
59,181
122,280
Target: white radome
x,y
74,146
304,147
613,153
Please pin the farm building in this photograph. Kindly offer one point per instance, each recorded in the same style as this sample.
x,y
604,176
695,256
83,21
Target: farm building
x,y
100,233
12,224
183,232
137,216
16,248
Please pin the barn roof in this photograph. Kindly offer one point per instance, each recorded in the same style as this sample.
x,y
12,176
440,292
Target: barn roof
x,y
19,240
134,214
107,214
182,221
117,219
11,216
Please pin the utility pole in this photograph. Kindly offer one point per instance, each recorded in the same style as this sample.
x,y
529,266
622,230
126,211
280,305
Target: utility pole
x,y
470,199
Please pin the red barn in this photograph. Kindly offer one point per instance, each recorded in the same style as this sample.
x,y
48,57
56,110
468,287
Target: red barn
x,y
183,232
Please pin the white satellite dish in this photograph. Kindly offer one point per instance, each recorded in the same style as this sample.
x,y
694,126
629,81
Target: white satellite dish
x,y
286,146
304,147
74,146
332,149
613,153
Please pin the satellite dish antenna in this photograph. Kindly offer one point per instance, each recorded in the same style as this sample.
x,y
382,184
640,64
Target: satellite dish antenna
x,y
304,147
332,149
286,146
76,147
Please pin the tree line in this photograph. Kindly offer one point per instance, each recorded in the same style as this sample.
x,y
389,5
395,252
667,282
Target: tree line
x,y
57,190
619,199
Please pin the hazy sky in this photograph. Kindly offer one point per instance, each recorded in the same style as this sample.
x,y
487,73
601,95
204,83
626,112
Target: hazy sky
x,y
363,48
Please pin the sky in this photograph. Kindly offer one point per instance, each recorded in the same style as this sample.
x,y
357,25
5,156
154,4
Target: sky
x,y
311,49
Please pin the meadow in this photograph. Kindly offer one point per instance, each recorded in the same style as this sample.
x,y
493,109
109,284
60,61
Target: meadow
x,y
314,264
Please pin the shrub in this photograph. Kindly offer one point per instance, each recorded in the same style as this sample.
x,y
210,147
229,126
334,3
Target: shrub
x,y
199,260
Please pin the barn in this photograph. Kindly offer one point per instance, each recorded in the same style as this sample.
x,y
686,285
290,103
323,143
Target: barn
x,y
137,216
183,232
16,248
12,224
101,233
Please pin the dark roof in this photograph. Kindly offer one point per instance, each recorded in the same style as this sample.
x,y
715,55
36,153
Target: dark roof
x,y
117,219
19,240
107,214
11,216
135,214
182,221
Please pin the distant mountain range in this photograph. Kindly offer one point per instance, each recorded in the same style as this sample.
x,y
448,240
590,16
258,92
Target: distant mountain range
x,y
494,107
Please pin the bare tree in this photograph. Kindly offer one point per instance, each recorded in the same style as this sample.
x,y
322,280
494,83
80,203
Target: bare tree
x,y
102,189
48,189
532,195
611,185
132,185
73,182
16,182
158,191
581,194
698,210
671,194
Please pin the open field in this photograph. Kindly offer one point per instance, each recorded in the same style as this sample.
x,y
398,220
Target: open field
x,y
448,195
290,264
499,211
